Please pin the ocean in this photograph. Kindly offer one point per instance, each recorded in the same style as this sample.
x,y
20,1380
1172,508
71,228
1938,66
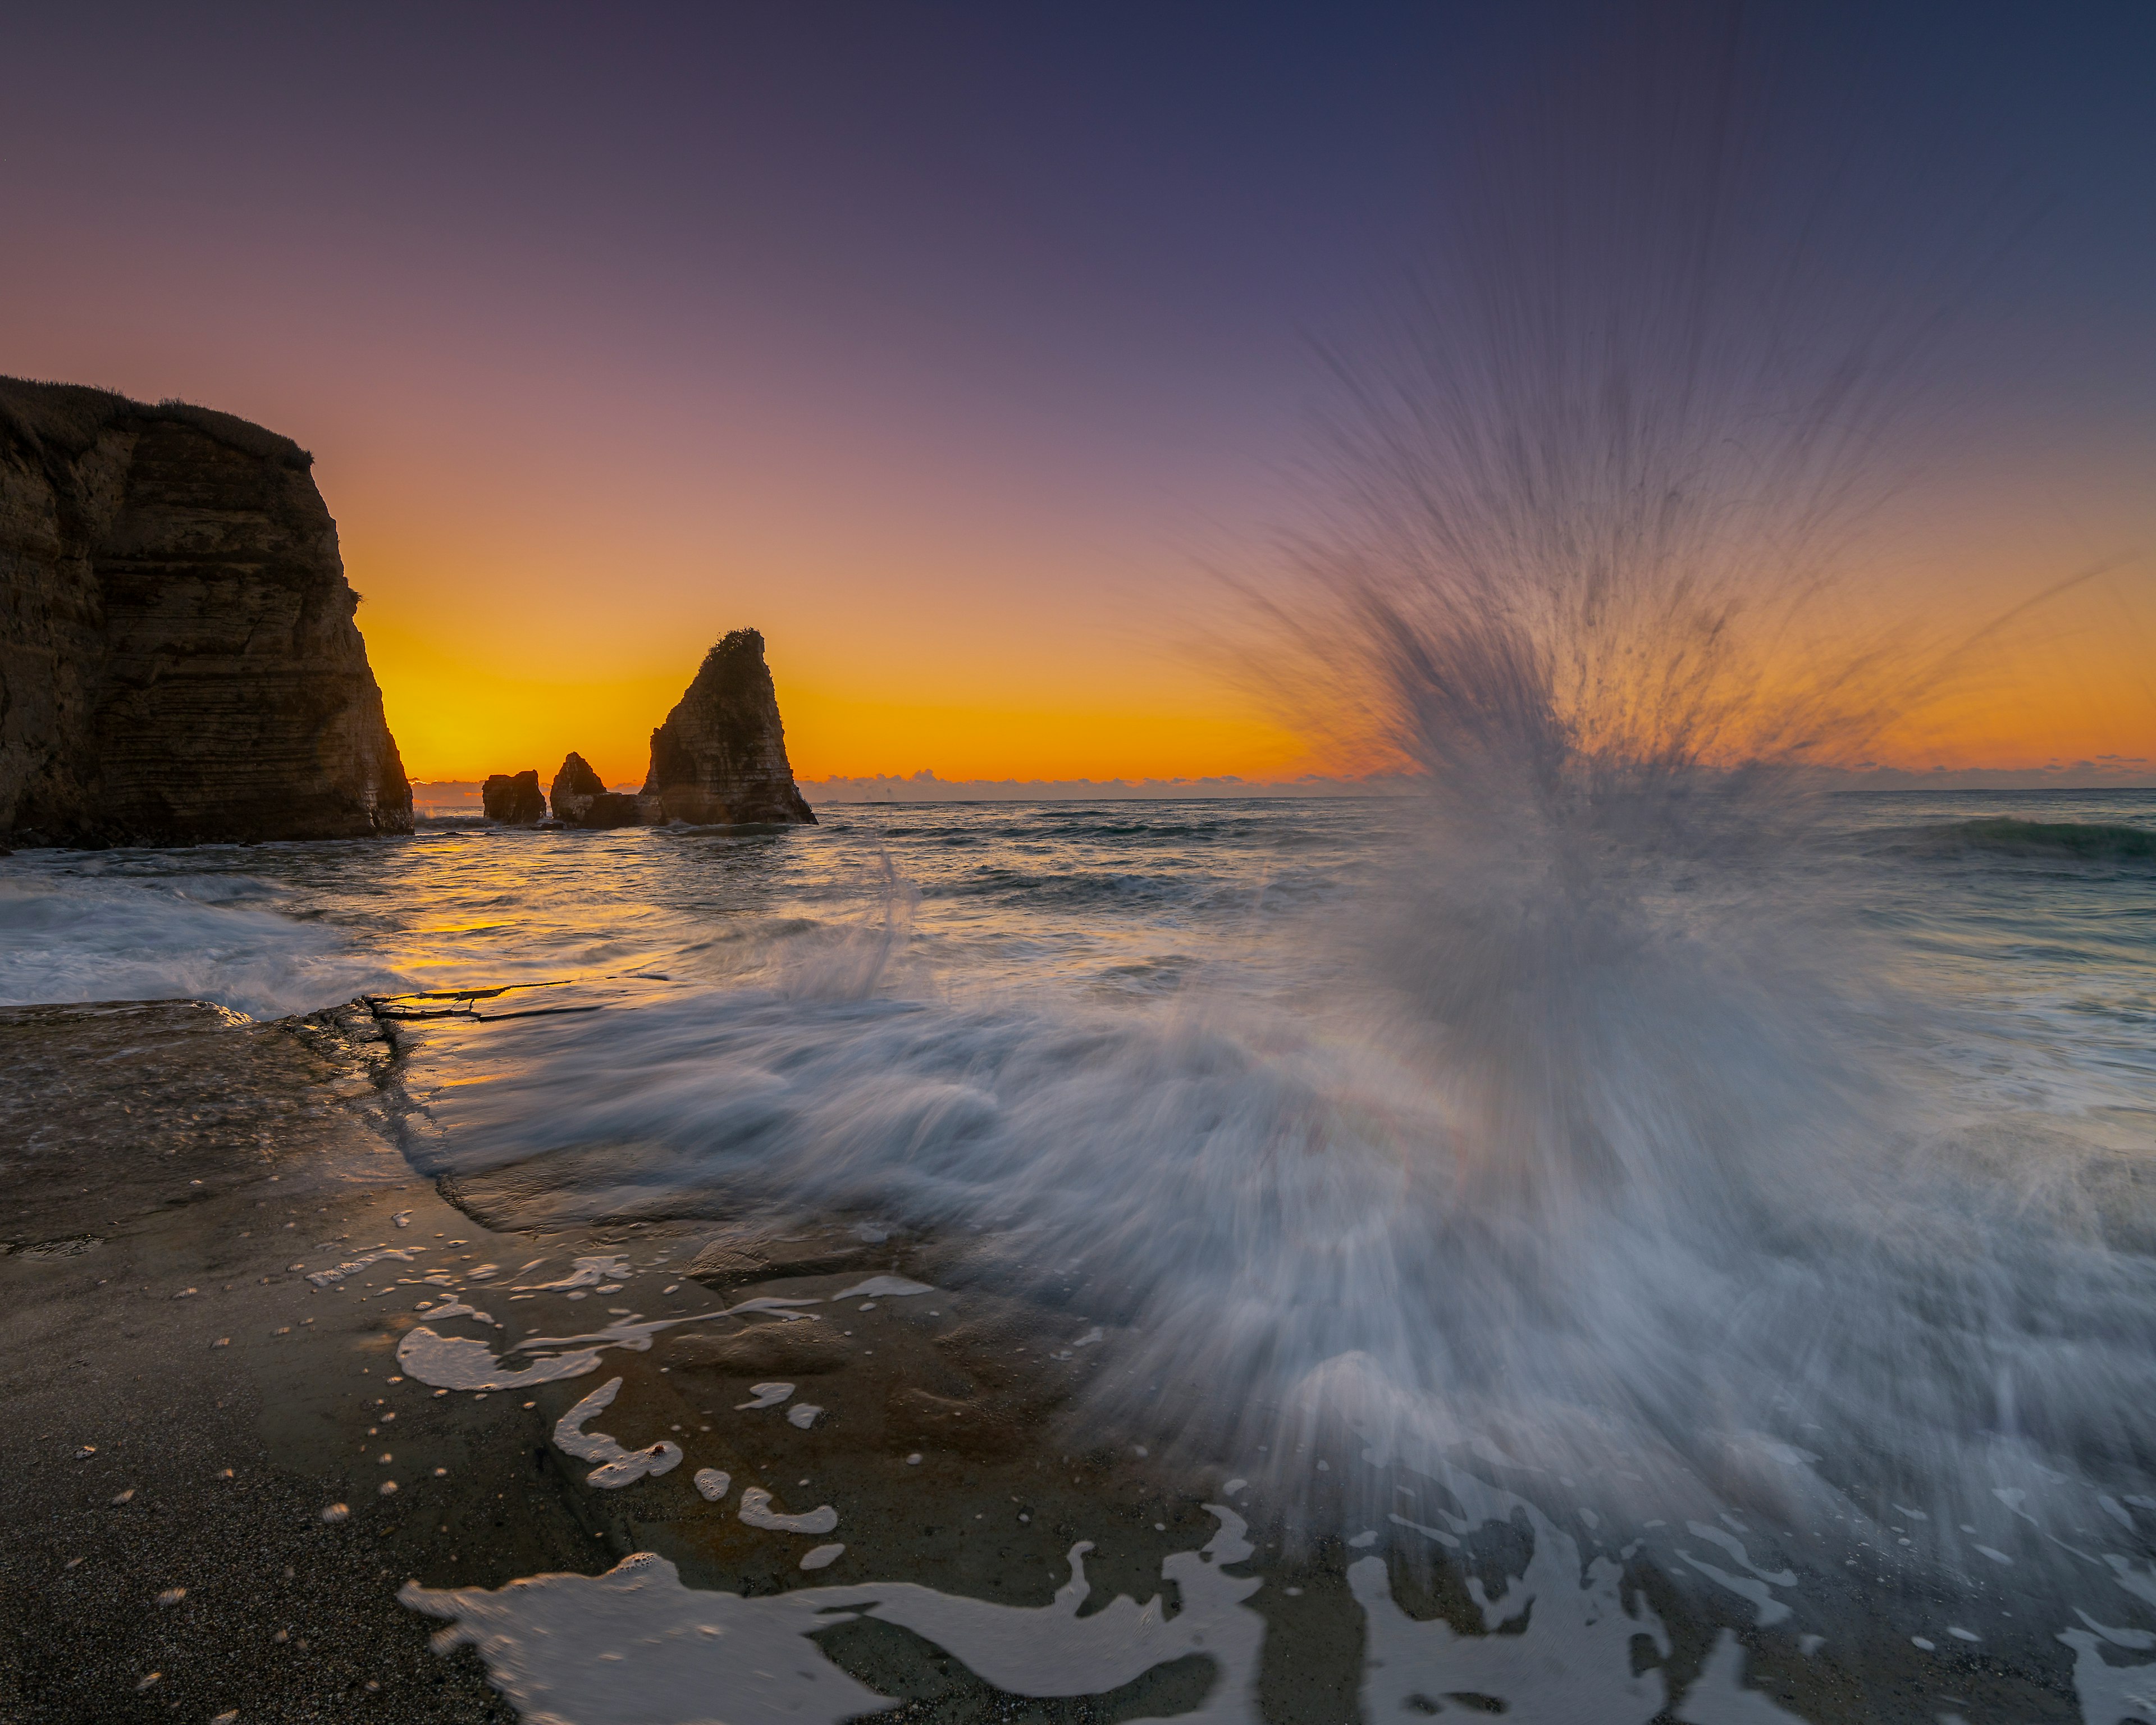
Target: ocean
x,y
1773,1217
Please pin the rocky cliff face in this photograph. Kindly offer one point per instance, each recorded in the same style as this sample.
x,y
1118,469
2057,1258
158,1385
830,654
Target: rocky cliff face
x,y
178,661
720,756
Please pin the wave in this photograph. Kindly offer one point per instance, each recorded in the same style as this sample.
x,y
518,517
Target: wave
x,y
216,937
2078,841
1598,1144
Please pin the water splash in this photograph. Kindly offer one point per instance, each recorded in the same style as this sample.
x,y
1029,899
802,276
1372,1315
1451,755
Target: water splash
x,y
1595,1139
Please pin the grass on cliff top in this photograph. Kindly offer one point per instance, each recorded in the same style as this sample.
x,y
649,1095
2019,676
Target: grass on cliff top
x,y
68,417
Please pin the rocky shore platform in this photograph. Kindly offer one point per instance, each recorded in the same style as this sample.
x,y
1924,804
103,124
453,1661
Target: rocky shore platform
x,y
280,1424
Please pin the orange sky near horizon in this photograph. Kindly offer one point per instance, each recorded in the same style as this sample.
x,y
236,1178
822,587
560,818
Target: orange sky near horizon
x,y
1005,646
954,352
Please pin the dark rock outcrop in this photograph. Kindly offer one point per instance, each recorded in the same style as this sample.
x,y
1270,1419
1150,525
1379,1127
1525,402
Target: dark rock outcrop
x,y
574,786
581,799
514,800
613,809
178,661
720,756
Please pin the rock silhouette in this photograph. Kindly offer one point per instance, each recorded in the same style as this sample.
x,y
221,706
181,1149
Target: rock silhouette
x,y
574,786
581,799
720,756
515,799
179,662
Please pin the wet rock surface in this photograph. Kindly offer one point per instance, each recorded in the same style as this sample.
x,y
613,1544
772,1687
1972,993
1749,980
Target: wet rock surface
x,y
720,756
580,799
574,786
176,642
610,809
215,1262
514,798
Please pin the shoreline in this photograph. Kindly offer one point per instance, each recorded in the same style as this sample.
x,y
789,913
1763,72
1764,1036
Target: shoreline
x,y
182,1174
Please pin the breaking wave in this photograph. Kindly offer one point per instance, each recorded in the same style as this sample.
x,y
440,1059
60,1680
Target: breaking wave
x,y
227,938
1593,1137
2076,841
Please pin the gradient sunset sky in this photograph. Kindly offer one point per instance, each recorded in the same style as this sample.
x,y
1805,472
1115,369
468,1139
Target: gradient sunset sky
x,y
955,346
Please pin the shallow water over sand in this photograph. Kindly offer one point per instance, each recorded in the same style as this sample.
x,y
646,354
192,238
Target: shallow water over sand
x,y
1855,1348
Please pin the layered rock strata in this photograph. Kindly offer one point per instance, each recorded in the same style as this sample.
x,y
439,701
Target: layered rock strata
x,y
515,799
178,661
720,756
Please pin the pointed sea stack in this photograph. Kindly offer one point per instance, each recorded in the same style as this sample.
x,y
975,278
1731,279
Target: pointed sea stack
x,y
581,799
179,662
720,759
515,800
574,786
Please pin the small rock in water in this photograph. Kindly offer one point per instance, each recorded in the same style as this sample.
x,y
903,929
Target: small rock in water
x,y
387,1488
171,1596
336,1511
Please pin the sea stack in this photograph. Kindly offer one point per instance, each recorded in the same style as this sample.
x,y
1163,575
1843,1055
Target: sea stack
x,y
581,799
720,759
179,662
514,800
574,786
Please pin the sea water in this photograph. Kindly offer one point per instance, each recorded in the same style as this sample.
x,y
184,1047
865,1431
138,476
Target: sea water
x,y
1826,1195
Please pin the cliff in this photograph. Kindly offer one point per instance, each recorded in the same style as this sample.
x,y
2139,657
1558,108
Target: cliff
x,y
178,661
720,756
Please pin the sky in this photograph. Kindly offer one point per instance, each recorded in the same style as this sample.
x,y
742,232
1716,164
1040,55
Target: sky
x,y
962,350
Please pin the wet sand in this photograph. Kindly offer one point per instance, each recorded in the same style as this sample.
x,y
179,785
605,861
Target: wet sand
x,y
182,1404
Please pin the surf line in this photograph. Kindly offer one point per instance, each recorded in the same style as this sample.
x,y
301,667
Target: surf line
x,y
466,1362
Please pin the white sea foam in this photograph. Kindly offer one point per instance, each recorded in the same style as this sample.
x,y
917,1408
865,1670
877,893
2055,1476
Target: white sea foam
x,y
466,1362
327,1278
756,1510
765,1395
73,928
712,1483
1573,1661
1718,1696
1753,1585
2110,1694
635,1647
584,1273
457,1308
883,1287
617,1467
